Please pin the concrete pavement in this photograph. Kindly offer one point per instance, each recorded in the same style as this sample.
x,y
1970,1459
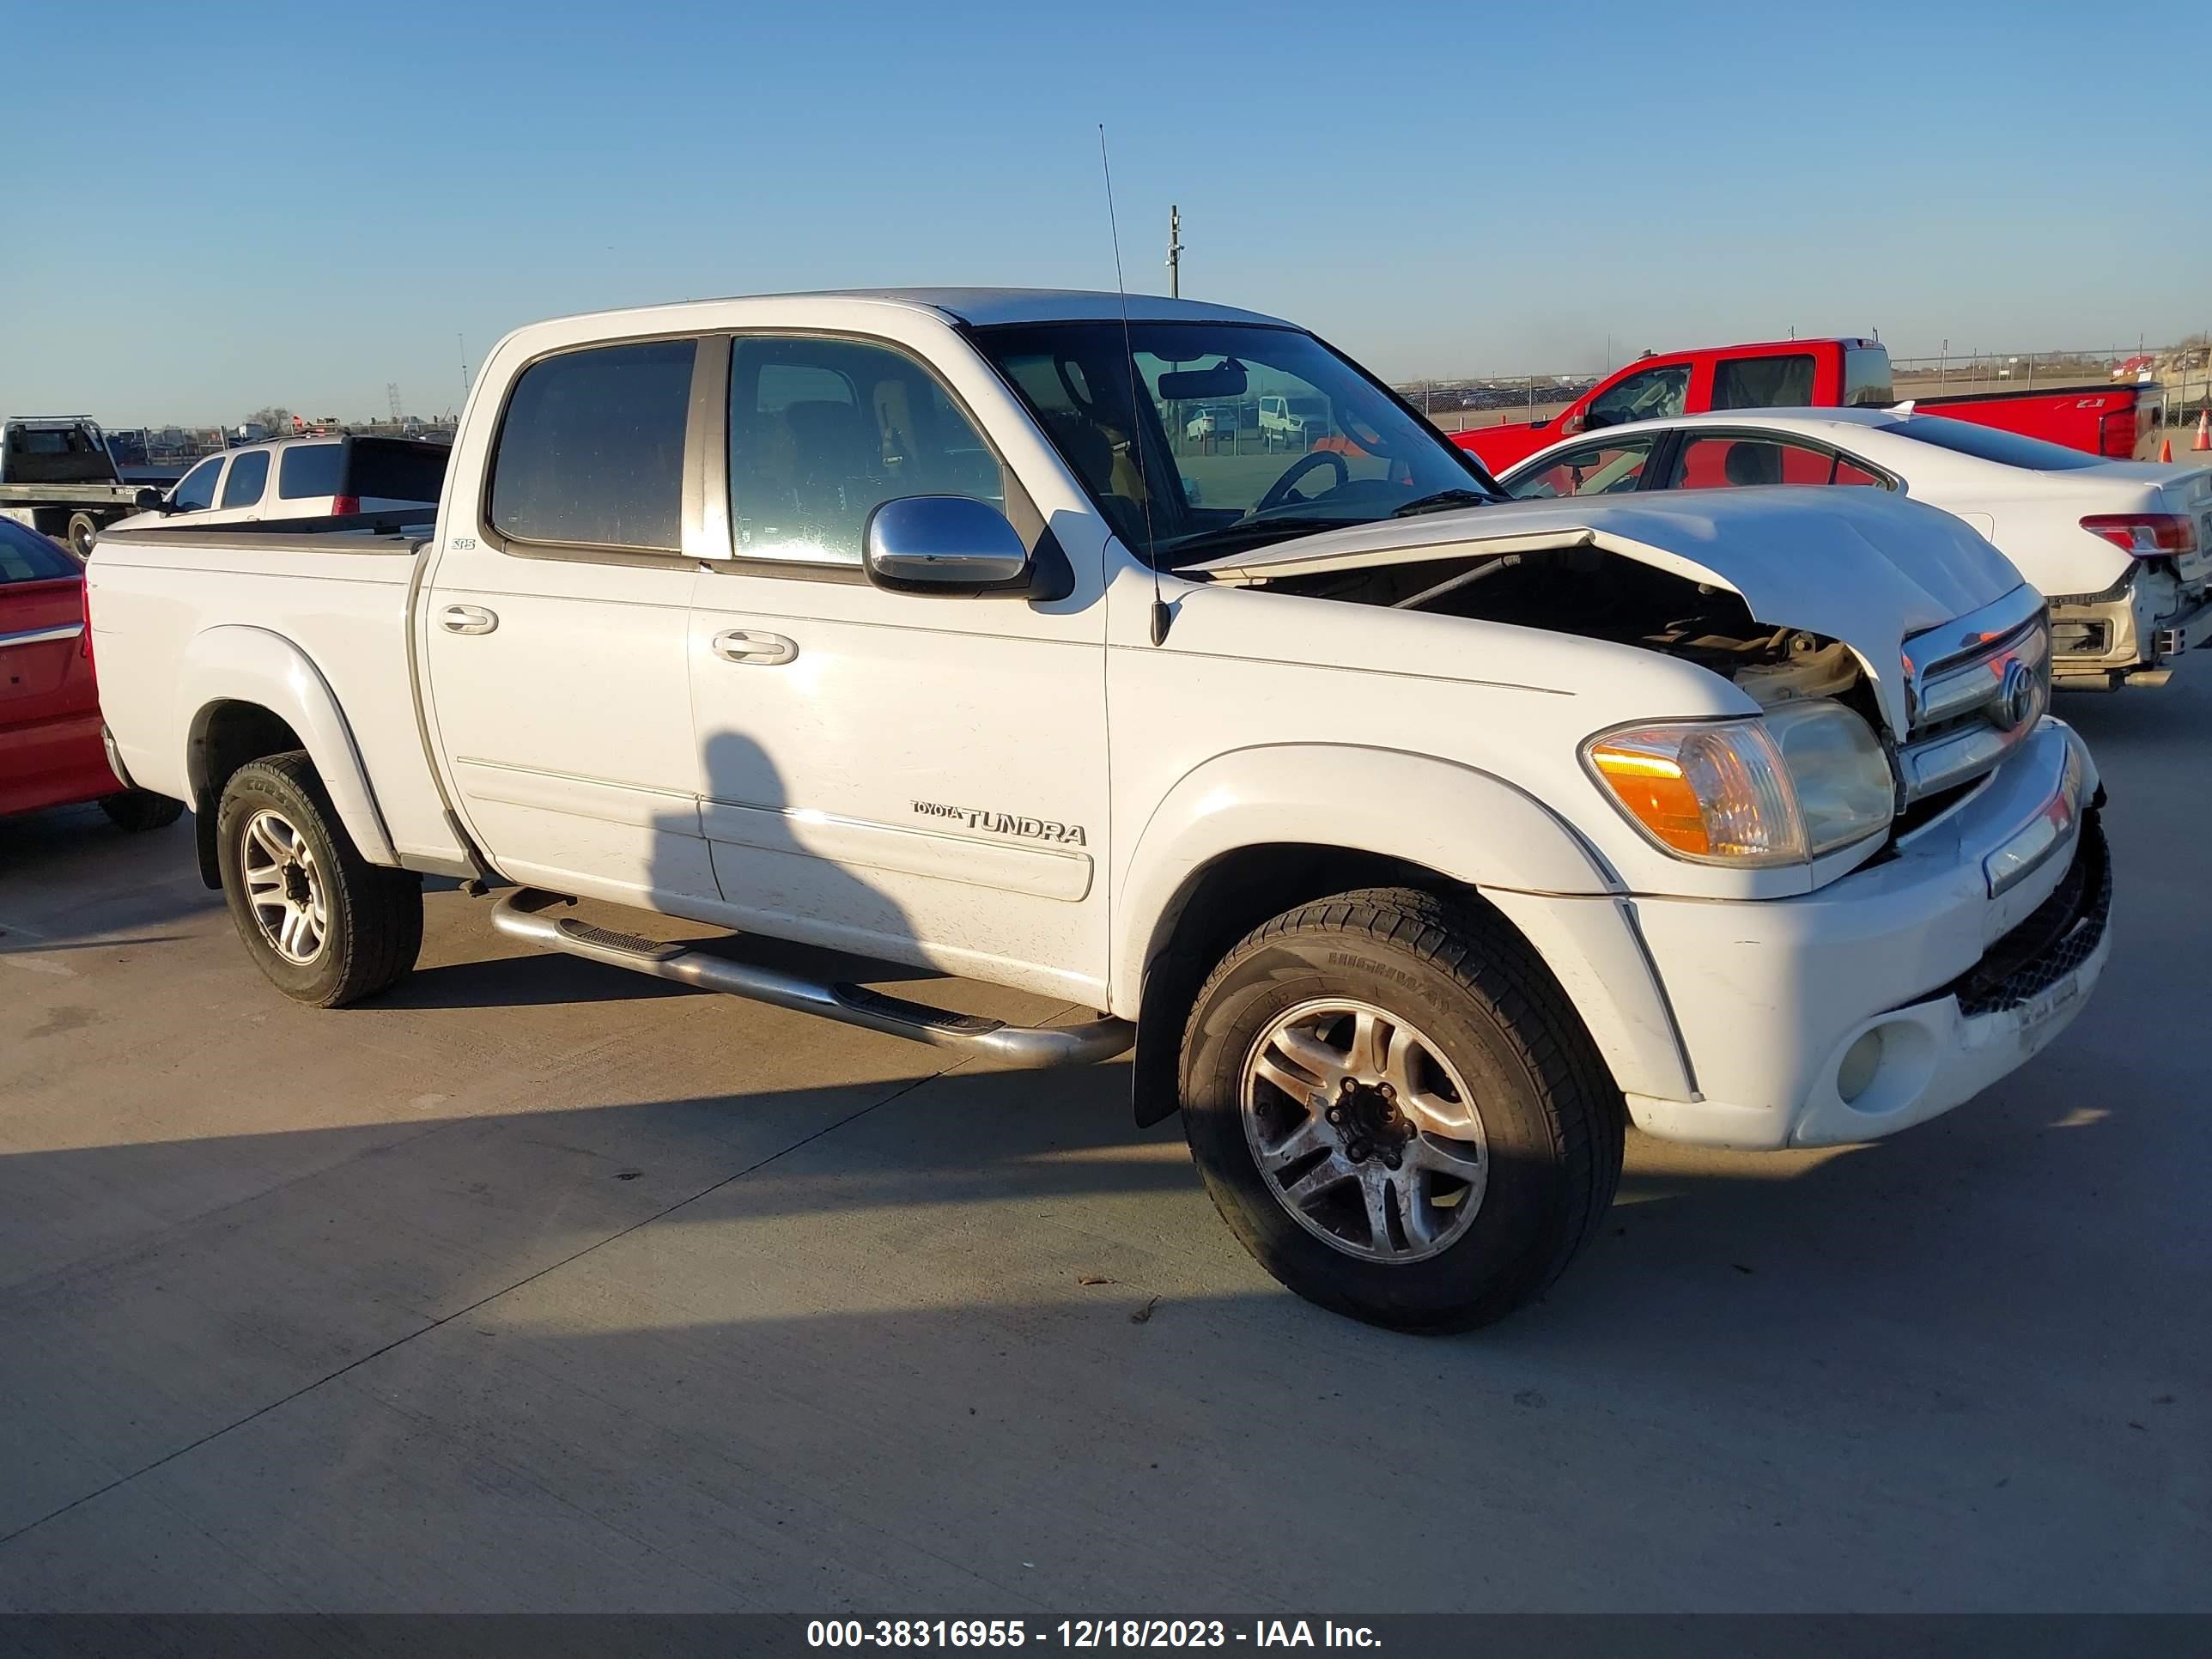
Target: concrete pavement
x,y
541,1286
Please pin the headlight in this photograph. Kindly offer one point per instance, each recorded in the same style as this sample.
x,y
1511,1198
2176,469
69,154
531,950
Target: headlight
x,y
1803,780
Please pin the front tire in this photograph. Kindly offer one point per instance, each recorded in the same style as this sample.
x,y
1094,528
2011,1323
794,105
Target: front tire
x,y
1397,1111
325,926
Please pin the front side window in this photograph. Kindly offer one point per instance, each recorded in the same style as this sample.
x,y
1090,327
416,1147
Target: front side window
x,y
1599,469
249,473
822,432
195,491
1653,395
590,448
1236,434
1782,382
309,470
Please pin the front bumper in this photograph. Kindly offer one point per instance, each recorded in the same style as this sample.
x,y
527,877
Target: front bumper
x,y
1901,990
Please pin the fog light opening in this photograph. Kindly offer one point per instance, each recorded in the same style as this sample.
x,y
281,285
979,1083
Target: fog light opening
x,y
1861,1062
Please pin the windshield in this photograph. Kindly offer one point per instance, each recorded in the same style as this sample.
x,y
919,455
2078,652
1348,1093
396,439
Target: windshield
x,y
1244,434
1987,443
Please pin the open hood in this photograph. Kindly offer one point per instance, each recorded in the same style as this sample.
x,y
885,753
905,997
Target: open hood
x,y
1858,565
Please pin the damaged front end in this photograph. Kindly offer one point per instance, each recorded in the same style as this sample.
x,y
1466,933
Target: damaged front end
x,y
1896,659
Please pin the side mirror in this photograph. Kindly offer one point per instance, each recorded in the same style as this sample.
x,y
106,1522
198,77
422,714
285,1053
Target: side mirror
x,y
1569,426
148,500
951,545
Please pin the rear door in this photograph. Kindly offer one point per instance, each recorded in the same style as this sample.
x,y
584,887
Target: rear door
x,y
553,626
1765,379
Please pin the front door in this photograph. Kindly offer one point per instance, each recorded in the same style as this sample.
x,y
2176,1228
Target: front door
x,y
912,777
554,635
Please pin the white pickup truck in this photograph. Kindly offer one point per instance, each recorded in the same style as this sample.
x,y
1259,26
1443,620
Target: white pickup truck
x,y
1416,839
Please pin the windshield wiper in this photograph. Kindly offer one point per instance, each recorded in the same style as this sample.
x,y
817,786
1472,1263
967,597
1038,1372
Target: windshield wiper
x,y
1247,532
1443,501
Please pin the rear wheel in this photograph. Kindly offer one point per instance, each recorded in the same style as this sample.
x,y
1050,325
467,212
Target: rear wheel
x,y
140,810
1396,1111
325,926
82,528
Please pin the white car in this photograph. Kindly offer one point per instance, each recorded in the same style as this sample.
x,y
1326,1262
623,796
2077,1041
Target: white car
x,y
2123,550
1418,841
304,479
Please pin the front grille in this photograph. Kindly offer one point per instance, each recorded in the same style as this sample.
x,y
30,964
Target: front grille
x,y
2060,934
1976,688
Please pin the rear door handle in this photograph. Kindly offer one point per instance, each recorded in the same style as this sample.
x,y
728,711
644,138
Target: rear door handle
x,y
467,619
763,650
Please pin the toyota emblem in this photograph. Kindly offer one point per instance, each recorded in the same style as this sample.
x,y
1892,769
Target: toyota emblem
x,y
2016,697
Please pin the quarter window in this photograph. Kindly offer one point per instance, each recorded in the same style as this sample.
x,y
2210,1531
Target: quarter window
x,y
195,491
591,451
249,474
822,432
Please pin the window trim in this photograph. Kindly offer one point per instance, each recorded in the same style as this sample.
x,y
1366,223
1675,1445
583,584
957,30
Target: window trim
x,y
689,508
1679,438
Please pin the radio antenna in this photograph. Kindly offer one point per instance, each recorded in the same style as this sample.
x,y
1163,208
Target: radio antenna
x,y
1161,615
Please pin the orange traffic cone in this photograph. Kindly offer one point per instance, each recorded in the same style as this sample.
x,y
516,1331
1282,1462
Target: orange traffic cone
x,y
2203,429
2166,451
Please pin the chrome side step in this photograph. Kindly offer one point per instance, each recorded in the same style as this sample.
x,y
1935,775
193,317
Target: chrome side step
x,y
520,915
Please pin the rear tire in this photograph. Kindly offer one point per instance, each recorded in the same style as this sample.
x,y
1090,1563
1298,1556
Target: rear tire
x,y
1432,1063
137,811
325,926
82,528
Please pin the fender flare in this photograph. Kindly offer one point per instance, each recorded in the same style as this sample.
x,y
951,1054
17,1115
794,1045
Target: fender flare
x,y
236,662
1468,825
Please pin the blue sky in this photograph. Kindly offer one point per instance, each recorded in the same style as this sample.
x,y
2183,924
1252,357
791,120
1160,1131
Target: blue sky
x,y
297,203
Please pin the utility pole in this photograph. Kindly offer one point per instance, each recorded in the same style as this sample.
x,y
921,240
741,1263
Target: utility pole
x,y
461,340
1175,253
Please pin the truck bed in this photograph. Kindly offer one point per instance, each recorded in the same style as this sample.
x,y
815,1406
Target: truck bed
x,y
341,589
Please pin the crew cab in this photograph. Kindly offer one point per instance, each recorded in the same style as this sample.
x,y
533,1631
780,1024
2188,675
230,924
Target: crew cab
x,y
1416,839
2117,422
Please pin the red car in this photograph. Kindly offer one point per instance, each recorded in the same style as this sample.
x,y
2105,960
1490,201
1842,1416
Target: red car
x,y
51,751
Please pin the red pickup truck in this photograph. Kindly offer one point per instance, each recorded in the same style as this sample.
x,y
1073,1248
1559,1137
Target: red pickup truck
x,y
2119,422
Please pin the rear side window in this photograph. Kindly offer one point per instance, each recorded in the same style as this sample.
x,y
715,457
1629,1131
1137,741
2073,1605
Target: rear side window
x,y
195,491
1763,382
591,452
27,557
249,474
1732,460
309,470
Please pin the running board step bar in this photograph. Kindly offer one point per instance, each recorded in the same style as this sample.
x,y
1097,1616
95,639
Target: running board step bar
x,y
520,915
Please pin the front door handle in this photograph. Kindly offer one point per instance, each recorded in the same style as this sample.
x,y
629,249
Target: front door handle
x,y
763,650
467,619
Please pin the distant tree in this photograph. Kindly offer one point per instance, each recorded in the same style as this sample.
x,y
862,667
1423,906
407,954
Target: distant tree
x,y
274,419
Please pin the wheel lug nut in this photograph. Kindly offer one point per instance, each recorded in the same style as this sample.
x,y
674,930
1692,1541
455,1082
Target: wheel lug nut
x,y
1387,1092
1336,1115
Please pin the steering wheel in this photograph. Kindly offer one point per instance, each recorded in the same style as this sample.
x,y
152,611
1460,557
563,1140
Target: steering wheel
x,y
1280,491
